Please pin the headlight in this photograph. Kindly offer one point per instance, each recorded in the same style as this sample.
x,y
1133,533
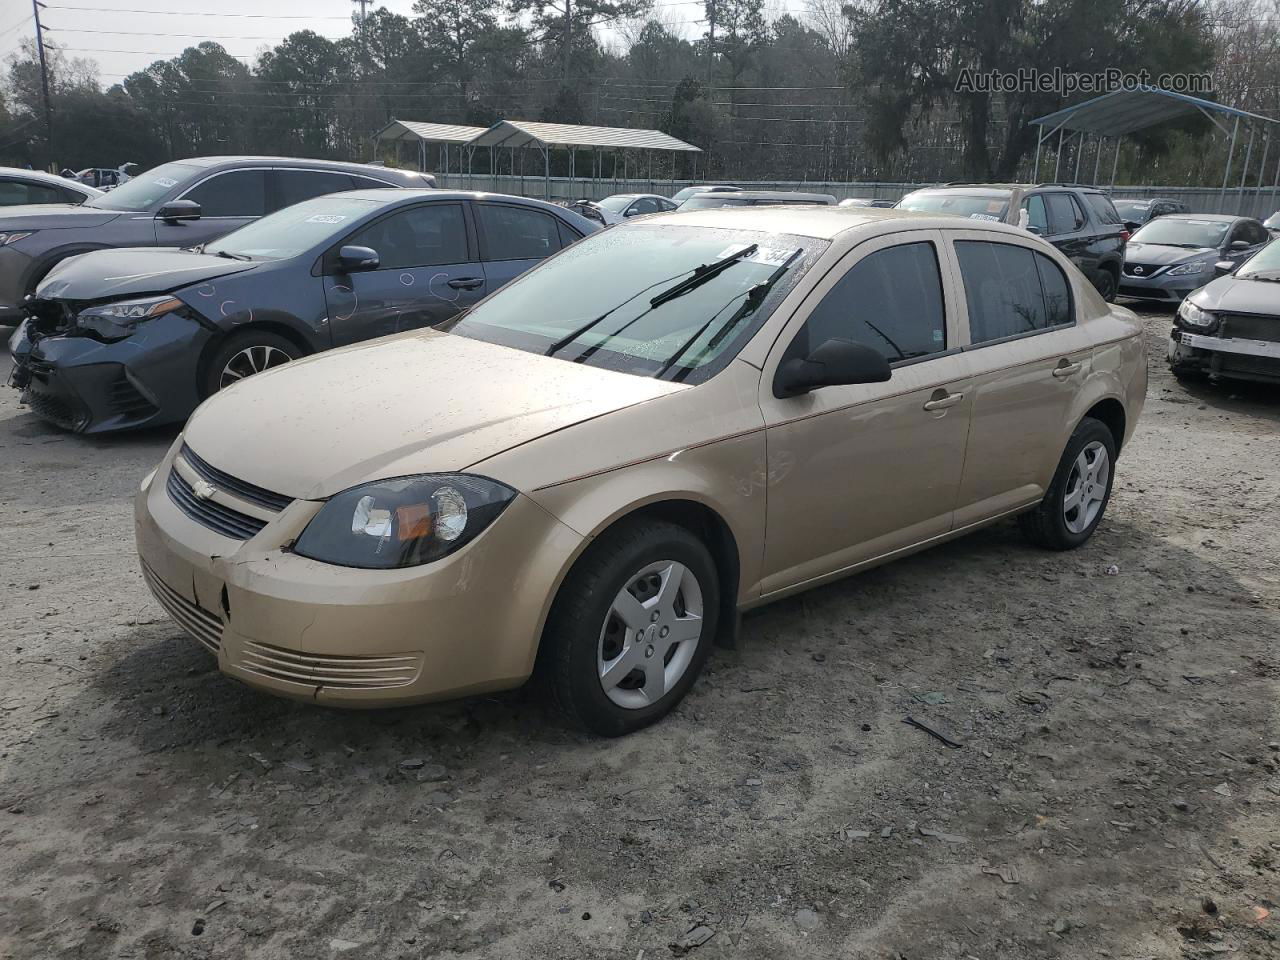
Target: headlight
x,y
403,522
8,238
1193,316
1190,269
115,321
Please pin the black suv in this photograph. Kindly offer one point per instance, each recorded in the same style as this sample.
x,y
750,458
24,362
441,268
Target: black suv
x,y
1080,221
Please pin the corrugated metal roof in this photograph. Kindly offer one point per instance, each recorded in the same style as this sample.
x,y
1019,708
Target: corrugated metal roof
x,y
1124,111
521,133
428,132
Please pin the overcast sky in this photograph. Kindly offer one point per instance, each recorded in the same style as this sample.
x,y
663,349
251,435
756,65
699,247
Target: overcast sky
x,y
123,36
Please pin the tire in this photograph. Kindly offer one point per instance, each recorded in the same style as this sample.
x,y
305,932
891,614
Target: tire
x,y
1053,524
246,352
1188,374
612,676
1107,285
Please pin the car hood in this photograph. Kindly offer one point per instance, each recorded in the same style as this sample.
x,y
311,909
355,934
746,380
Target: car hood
x,y
53,216
1162,254
421,402
130,271
1232,295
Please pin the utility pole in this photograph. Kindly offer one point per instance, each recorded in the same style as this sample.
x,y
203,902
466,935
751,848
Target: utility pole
x,y
568,37
44,77
711,46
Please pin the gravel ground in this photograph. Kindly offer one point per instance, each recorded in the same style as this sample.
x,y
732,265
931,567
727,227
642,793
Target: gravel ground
x,y
1116,794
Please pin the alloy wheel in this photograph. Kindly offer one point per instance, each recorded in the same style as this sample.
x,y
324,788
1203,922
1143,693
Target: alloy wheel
x,y
1086,487
249,361
650,634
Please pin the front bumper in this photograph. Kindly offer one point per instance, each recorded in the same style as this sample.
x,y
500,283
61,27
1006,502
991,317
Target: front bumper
x,y
1162,286
88,386
312,631
1225,356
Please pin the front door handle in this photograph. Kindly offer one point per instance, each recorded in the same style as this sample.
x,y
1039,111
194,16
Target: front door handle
x,y
466,283
941,400
1066,368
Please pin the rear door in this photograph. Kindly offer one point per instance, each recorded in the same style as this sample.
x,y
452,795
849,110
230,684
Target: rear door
x,y
857,472
513,238
1027,359
427,272
228,200
290,186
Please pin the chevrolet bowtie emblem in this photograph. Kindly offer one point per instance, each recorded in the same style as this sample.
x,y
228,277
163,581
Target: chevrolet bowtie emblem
x,y
202,489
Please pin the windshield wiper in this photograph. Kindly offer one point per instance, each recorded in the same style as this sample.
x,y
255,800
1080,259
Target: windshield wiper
x,y
578,331
754,297
702,274
232,256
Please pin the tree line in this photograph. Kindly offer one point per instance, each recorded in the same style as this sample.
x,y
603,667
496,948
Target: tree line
x,y
848,90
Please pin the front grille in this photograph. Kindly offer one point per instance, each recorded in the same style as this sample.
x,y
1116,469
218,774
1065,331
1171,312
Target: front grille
x,y
1150,293
217,517
52,408
355,673
197,621
1147,269
123,399
1249,327
238,488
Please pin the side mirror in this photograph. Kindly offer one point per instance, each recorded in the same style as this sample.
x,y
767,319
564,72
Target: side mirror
x,y
1240,245
1131,225
1224,267
1034,229
630,213
352,259
834,363
176,210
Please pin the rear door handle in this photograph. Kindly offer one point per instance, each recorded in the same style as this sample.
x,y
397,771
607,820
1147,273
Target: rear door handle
x,y
1066,368
941,400
466,283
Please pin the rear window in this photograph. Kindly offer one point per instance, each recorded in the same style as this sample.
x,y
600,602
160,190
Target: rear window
x,y
1102,207
974,206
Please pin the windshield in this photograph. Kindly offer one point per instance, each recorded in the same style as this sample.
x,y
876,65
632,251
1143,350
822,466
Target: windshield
x,y
957,204
145,189
614,204
1265,261
1179,232
1135,210
293,230
633,299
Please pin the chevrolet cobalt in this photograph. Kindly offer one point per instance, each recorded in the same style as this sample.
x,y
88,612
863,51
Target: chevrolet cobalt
x,y
592,472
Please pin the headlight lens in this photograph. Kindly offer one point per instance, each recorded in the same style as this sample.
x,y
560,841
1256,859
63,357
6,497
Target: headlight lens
x,y
403,522
115,321
8,238
1193,316
1190,269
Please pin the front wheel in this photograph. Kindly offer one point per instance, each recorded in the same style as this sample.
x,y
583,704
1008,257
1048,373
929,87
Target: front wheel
x,y
1078,495
244,354
631,627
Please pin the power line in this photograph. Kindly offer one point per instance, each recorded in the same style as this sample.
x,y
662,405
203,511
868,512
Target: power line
x,y
201,36
194,13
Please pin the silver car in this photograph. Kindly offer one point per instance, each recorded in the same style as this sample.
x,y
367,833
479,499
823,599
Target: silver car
x,y
1174,255
621,206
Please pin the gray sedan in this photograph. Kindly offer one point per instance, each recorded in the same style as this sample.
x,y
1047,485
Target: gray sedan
x,y
179,204
1174,255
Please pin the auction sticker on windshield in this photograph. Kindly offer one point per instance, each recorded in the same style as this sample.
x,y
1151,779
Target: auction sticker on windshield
x,y
326,218
165,182
769,256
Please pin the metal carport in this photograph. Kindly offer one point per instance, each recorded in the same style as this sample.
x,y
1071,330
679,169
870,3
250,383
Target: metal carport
x,y
545,137
1122,112
443,135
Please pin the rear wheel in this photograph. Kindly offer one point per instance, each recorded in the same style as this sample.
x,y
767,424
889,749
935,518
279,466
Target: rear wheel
x,y
244,354
631,627
1078,495
1107,285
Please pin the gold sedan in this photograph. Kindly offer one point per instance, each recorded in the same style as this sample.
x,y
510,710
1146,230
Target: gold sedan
x,y
595,470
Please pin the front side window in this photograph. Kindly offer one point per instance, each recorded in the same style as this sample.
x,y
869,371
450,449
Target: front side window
x,y
148,188
1037,216
890,300
1011,290
431,234
515,233
293,230
672,301
239,193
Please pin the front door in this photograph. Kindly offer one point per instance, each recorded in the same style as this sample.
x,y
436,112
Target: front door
x,y
227,202
858,472
427,272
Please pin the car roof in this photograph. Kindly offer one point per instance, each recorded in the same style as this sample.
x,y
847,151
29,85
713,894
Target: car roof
x,y
1216,217
778,195
305,162
387,195
822,222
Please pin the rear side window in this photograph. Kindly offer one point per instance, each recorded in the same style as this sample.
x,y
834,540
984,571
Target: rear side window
x,y
1103,208
516,233
294,186
1011,290
367,183
1065,215
239,193
890,300
14,192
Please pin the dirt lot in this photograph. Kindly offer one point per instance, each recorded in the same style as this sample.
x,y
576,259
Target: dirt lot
x,y
1117,793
